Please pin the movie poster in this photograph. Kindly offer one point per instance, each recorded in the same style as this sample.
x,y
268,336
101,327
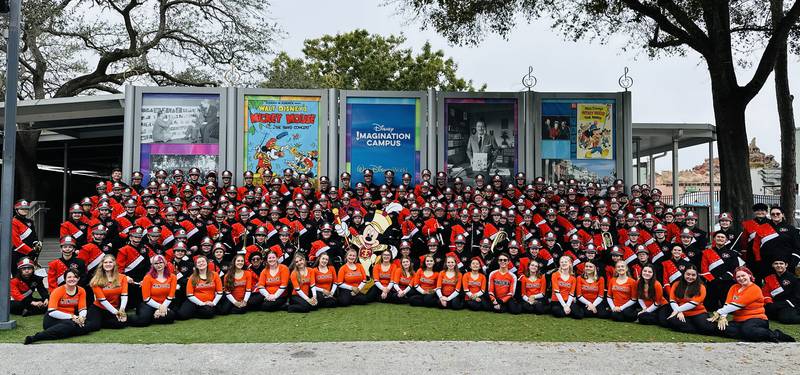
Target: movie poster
x,y
578,139
281,132
481,137
179,131
383,134
595,136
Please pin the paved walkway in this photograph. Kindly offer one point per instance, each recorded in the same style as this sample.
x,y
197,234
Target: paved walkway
x,y
401,358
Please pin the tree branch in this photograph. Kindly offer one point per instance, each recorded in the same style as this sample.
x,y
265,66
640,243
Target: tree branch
x,y
767,62
665,23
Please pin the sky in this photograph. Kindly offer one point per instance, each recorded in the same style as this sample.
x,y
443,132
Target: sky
x,y
665,90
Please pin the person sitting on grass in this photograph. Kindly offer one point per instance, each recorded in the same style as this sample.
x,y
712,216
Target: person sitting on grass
x,y
425,281
203,292
591,293
23,285
686,301
237,285
111,297
325,281
533,290
66,311
273,284
351,279
650,295
304,296
563,286
158,294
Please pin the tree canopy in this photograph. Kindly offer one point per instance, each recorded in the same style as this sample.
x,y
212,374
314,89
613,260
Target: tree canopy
x,y
360,60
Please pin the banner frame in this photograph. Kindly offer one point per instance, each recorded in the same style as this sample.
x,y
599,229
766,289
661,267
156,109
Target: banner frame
x,y
522,143
140,91
239,146
422,96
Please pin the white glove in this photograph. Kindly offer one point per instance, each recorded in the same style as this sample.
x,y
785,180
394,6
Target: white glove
x,y
341,229
393,208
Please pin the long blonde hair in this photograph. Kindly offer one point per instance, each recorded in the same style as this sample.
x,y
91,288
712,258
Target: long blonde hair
x,y
100,279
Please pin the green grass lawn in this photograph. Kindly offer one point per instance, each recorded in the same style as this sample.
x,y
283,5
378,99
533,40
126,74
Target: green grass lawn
x,y
378,322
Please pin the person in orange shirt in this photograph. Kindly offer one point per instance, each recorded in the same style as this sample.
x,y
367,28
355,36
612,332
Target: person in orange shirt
x,y
425,284
203,292
111,297
304,296
686,301
563,285
273,284
403,281
66,311
622,294
382,275
533,290
448,283
502,287
474,285
237,285
590,292
158,292
650,295
746,302
351,281
325,281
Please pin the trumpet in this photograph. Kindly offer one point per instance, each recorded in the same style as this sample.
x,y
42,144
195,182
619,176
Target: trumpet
x,y
501,235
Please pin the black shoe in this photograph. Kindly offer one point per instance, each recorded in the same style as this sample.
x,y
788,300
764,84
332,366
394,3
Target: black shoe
x,y
28,340
25,313
782,337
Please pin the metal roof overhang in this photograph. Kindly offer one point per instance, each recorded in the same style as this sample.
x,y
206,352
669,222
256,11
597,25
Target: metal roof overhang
x,y
656,138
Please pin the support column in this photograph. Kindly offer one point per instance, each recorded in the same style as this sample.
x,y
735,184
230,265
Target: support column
x,y
675,147
65,185
637,142
333,137
432,151
711,185
651,172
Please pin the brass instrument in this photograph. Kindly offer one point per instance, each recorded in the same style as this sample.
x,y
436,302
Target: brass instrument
x,y
608,241
499,237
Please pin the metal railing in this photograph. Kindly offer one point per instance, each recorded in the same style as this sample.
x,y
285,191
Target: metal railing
x,y
700,198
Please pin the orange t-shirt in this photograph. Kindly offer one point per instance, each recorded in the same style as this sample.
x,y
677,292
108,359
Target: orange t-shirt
x,y
565,288
325,280
241,285
658,296
352,277
751,301
70,304
448,285
205,290
473,285
382,276
158,291
305,285
401,280
591,291
530,287
273,282
622,293
426,282
111,293
502,286
697,300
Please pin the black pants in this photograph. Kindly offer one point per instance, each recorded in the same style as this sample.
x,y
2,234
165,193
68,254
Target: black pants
x,y
191,311
558,311
456,303
473,305
135,294
656,317
538,306
55,329
579,311
25,308
754,330
344,297
717,292
98,317
510,306
627,314
325,301
693,324
374,295
423,300
144,316
782,312
405,299
276,305
225,307
298,305
255,301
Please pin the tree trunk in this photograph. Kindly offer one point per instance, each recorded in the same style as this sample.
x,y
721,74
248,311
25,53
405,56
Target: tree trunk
x,y
25,179
786,119
736,190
